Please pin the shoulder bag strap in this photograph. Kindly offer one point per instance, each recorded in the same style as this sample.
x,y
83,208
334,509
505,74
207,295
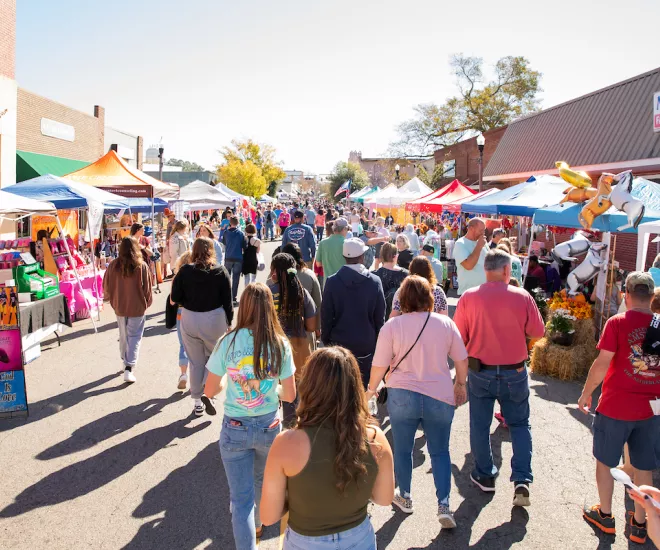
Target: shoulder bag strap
x,y
411,347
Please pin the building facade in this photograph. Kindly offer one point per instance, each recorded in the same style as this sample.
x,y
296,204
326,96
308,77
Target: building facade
x,y
461,161
382,170
127,146
174,174
7,93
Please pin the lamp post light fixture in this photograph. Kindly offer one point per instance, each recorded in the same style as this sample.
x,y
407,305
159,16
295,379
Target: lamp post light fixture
x,y
481,141
161,150
396,170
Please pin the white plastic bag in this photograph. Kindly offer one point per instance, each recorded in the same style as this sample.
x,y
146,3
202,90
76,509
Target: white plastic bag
x,y
262,263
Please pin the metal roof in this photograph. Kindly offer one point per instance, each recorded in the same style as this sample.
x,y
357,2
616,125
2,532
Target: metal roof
x,y
609,126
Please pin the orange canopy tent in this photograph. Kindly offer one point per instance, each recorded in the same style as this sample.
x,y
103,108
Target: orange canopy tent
x,y
112,174
435,201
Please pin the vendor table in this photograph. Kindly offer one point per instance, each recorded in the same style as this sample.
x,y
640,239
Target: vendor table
x,y
76,299
39,320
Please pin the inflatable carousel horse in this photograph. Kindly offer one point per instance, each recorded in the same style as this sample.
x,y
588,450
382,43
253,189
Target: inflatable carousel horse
x,y
588,269
568,250
599,203
622,200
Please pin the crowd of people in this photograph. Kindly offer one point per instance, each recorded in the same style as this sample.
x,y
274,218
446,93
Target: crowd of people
x,y
357,317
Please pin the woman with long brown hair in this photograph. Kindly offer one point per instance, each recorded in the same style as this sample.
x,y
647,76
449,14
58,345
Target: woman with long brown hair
x,y
178,241
127,286
332,464
254,356
421,266
202,290
296,311
204,230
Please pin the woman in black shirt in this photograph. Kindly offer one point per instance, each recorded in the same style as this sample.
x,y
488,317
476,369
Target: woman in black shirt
x,y
391,275
203,290
405,254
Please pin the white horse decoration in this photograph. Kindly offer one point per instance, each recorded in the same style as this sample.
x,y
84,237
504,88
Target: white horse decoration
x,y
568,250
622,200
588,269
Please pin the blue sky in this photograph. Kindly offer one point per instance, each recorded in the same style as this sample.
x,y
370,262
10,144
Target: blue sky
x,y
315,79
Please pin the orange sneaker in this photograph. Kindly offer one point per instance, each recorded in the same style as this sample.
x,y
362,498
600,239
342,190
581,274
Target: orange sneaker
x,y
594,516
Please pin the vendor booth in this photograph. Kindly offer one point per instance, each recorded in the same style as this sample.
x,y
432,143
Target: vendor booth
x,y
455,206
27,314
202,196
434,202
77,277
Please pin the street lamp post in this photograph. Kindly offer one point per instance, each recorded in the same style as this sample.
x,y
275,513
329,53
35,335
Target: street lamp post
x,y
161,150
481,141
396,170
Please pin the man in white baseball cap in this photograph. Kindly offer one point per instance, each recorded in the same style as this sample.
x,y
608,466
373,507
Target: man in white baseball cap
x,y
353,307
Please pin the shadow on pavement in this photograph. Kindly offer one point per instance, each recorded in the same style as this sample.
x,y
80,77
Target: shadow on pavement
x,y
108,426
52,405
192,503
86,476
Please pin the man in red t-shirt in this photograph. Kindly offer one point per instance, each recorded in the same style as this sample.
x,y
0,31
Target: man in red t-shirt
x,y
631,380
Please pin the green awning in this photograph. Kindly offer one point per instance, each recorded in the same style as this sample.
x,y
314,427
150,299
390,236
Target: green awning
x,y
372,190
32,165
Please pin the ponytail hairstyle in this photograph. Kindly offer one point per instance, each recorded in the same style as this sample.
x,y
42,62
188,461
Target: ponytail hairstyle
x,y
291,303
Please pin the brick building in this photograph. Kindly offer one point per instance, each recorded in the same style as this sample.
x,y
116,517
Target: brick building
x,y
609,130
7,93
381,170
461,161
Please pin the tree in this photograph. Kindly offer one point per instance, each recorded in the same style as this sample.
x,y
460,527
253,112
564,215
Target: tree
x,y
245,178
251,155
344,171
186,165
480,106
432,180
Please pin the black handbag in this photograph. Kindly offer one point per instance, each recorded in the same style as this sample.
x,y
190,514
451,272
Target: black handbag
x,y
382,394
170,313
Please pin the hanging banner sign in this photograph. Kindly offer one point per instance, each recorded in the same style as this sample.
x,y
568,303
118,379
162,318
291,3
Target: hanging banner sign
x,y
94,218
68,219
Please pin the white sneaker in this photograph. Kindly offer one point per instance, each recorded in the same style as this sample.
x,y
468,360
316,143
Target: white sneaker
x,y
198,408
445,517
129,377
183,381
404,503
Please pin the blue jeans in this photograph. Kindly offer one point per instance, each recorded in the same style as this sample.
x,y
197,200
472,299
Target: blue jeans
x,y
407,409
270,230
511,389
131,330
361,537
183,358
244,450
234,267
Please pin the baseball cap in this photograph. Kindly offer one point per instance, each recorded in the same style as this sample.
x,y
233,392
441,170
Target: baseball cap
x,y
428,248
640,282
354,248
342,223
298,214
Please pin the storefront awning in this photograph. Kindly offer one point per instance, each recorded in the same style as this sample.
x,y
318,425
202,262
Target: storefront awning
x,y
32,165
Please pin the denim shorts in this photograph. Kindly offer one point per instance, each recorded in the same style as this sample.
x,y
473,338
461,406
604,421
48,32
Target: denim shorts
x,y
361,537
610,435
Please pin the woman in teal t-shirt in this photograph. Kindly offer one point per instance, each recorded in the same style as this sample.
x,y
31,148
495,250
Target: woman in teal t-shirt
x,y
253,356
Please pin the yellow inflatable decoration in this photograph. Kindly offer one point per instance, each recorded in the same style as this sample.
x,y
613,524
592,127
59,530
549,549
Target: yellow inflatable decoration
x,y
581,180
600,203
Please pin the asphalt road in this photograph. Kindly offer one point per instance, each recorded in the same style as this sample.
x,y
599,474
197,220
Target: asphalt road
x,y
99,464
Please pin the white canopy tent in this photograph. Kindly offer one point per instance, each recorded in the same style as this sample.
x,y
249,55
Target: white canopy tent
x,y
644,231
222,187
202,196
381,195
14,207
267,198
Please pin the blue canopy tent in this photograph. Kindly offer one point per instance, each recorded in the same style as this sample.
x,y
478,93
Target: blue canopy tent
x,y
66,194
540,192
567,215
142,206
489,204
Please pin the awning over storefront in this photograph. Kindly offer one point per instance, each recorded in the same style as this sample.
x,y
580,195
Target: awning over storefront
x,y
32,165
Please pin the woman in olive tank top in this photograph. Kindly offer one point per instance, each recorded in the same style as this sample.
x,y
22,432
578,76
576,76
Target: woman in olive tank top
x,y
331,464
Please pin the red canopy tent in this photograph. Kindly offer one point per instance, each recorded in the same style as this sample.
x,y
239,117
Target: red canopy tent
x,y
435,201
455,206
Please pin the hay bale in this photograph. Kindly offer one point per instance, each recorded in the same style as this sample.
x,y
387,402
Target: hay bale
x,y
564,363
585,332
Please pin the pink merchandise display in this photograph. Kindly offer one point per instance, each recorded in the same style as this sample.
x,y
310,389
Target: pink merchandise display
x,y
77,304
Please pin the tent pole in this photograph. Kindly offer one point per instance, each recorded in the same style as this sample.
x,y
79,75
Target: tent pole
x,y
75,271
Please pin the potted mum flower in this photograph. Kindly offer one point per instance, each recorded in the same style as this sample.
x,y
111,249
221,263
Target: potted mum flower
x,y
561,328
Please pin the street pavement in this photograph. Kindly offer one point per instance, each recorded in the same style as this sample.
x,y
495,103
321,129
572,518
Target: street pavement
x,y
100,464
